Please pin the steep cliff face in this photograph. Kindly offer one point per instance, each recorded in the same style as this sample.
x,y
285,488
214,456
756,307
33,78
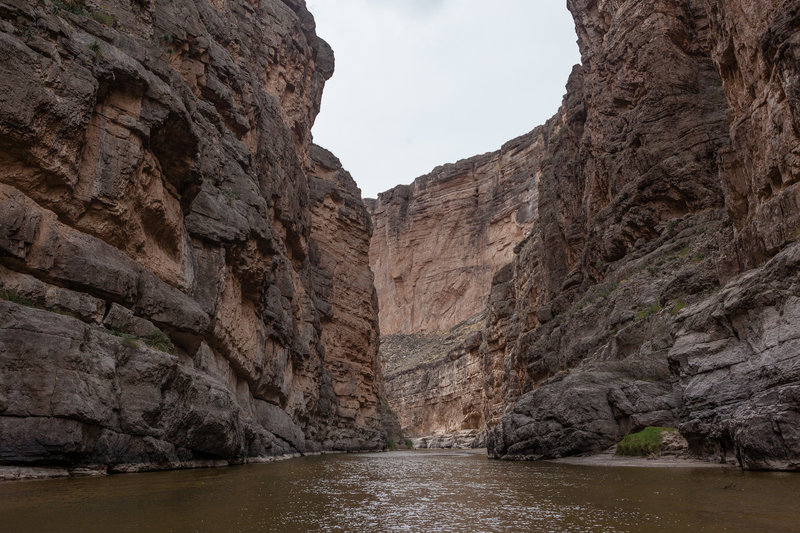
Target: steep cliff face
x,y
438,241
438,244
171,277
755,48
657,323
657,284
345,293
434,381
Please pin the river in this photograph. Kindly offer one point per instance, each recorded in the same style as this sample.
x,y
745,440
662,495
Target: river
x,y
415,491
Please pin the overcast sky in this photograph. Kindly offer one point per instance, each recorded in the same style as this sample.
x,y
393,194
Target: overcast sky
x,y
419,83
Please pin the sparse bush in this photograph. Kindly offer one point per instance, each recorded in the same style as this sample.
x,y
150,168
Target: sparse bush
x,y
160,341
676,307
645,442
131,342
390,443
103,18
671,225
94,46
409,444
229,195
76,7
17,298
127,339
649,311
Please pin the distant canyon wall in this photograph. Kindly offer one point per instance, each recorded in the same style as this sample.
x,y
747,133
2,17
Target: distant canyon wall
x,y
658,282
184,277
437,242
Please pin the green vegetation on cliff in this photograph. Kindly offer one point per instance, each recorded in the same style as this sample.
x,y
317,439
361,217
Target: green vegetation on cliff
x,y
645,442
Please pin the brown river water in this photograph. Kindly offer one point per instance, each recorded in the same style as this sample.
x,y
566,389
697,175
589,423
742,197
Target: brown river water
x,y
415,491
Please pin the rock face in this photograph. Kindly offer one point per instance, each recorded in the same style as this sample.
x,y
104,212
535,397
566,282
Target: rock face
x,y
434,382
628,339
658,283
172,248
438,241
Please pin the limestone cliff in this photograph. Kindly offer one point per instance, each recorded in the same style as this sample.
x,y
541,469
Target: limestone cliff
x,y
658,283
438,241
173,251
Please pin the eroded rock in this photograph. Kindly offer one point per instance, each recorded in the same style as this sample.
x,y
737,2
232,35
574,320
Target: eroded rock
x,y
155,189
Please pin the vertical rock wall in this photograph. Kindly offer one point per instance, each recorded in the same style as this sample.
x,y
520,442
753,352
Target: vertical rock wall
x,y
171,279
659,326
438,241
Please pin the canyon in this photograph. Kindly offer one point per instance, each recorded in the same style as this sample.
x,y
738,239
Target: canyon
x,y
656,283
187,280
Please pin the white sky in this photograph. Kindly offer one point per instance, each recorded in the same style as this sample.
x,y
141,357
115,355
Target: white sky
x,y
419,83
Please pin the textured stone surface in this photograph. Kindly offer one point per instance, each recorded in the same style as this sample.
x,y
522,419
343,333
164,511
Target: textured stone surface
x,y
657,284
438,241
155,191
434,381
464,439
345,294
727,382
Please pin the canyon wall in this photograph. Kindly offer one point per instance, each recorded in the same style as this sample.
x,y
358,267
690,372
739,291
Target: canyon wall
x,y
658,283
184,278
438,241
675,311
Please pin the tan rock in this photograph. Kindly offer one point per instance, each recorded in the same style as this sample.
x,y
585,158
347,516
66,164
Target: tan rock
x,y
438,241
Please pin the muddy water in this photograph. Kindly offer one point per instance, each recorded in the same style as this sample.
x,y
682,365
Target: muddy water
x,y
408,491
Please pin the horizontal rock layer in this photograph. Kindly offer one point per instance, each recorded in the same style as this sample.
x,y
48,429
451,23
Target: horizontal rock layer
x,y
171,245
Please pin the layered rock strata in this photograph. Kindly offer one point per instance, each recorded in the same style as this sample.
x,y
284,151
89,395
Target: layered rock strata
x,y
171,246
658,285
433,382
438,241
659,321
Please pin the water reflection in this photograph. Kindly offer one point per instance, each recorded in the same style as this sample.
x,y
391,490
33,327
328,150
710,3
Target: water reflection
x,y
408,491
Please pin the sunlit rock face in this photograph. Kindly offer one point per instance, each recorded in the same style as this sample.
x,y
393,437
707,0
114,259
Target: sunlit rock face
x,y
657,282
172,247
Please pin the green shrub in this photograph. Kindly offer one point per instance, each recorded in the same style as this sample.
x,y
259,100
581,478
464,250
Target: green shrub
x,y
127,339
391,444
75,7
409,444
671,225
647,312
17,298
130,342
160,341
676,307
103,18
94,46
644,443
